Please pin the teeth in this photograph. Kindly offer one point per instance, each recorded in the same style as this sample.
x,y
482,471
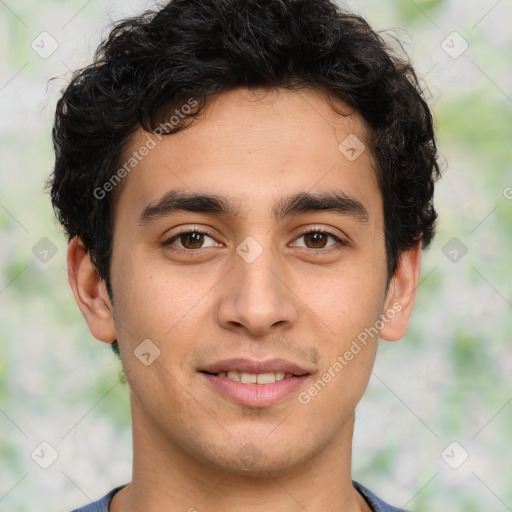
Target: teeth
x,y
251,378
266,378
234,376
248,378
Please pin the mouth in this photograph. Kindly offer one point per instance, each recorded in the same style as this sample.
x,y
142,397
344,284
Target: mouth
x,y
255,383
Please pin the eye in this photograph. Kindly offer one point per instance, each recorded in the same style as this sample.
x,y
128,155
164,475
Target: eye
x,y
317,239
193,239
190,240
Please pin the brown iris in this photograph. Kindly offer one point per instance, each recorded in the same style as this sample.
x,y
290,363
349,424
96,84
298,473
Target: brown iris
x,y
193,240
316,238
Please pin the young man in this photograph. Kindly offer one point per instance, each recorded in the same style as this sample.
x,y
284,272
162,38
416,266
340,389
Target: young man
x,y
246,186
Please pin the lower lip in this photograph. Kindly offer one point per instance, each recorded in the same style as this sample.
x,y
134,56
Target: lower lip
x,y
255,395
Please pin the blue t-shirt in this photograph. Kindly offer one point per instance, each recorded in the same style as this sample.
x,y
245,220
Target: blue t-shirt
x,y
376,504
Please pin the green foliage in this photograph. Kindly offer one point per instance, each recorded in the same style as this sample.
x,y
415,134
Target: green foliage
x,y
411,11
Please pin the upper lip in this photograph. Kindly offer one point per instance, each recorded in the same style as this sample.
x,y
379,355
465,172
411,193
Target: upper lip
x,y
254,366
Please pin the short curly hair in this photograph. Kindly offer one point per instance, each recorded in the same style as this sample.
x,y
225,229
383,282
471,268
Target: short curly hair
x,y
199,48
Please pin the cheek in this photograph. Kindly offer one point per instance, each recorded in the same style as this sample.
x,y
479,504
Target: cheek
x,y
157,303
348,300
350,310
155,300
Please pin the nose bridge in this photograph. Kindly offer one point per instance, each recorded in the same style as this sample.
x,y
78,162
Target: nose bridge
x,y
256,272
257,296
259,276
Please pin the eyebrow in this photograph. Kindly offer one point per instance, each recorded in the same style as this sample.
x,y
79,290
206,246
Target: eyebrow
x,y
303,202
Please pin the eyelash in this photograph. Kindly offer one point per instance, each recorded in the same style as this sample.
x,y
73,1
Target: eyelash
x,y
193,252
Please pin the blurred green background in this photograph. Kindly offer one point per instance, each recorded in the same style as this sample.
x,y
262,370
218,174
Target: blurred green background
x,y
448,381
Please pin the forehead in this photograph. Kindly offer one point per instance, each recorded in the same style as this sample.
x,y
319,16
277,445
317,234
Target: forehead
x,y
256,147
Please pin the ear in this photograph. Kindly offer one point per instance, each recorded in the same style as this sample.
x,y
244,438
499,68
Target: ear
x,y
401,294
90,292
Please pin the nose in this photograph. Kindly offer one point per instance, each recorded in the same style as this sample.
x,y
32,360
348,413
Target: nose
x,y
257,297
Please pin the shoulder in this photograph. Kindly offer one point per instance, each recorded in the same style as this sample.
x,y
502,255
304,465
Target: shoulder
x,y
374,501
102,504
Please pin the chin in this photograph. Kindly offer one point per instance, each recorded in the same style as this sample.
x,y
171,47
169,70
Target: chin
x,y
258,460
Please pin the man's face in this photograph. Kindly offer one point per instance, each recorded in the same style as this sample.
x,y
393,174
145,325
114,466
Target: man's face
x,y
256,286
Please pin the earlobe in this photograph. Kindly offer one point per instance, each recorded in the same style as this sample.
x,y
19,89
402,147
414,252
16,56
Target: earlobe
x,y
401,295
90,292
